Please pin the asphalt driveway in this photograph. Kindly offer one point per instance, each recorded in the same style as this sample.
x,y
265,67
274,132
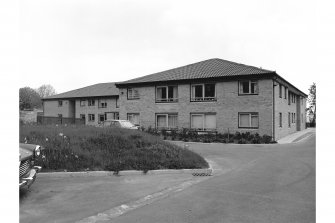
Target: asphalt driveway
x,y
251,183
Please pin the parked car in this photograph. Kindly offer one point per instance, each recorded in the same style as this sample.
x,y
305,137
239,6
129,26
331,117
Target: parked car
x,y
120,123
28,172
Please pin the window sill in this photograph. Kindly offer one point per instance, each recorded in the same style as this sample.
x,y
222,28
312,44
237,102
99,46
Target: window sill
x,y
242,94
167,101
248,127
203,100
133,98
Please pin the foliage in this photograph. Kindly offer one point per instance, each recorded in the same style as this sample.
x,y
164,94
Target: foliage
x,y
46,90
78,148
29,99
311,109
186,135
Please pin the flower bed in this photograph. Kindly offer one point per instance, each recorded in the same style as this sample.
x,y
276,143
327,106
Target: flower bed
x,y
189,135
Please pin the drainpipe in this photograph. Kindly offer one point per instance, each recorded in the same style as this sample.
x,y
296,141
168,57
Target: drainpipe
x,y
273,108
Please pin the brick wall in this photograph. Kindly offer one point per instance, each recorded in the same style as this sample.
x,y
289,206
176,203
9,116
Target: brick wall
x,y
51,108
227,106
281,105
111,107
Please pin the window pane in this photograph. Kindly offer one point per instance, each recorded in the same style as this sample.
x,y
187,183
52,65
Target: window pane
x,y
254,120
197,121
171,92
210,121
254,87
161,121
209,90
244,120
197,91
245,87
173,121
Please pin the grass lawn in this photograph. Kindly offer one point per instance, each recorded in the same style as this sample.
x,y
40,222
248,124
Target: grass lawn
x,y
78,148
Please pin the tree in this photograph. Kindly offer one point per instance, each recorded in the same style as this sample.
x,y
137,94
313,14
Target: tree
x,y
29,98
46,90
311,109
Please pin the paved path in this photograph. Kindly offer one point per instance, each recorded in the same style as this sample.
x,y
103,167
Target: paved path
x,y
297,136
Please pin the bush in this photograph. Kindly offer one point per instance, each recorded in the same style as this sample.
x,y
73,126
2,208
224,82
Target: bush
x,y
78,148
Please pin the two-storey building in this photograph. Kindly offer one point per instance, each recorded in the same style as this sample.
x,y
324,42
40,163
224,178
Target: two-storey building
x,y
215,95
89,105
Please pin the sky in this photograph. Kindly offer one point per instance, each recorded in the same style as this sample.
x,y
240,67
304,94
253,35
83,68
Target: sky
x,y
75,43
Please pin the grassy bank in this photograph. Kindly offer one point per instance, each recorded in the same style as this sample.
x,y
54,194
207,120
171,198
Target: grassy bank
x,y
78,148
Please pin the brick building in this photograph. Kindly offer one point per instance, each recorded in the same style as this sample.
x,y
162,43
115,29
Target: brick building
x,y
89,105
212,95
215,95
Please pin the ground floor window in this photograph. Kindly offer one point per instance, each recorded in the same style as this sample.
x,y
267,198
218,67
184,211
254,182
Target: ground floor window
x,y
102,117
289,119
112,115
91,117
134,118
168,121
248,120
82,116
280,120
205,121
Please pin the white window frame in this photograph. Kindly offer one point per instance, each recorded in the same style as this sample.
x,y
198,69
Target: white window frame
x,y
203,121
133,93
203,98
240,86
100,115
167,99
82,103
251,114
102,103
91,102
91,117
167,120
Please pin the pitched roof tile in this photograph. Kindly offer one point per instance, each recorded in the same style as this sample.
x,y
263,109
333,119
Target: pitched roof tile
x,y
96,90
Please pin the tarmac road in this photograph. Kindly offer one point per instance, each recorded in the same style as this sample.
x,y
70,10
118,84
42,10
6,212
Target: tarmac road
x,y
266,183
251,183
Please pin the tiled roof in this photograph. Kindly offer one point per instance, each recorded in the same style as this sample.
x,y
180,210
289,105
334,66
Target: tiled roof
x,y
211,68
96,90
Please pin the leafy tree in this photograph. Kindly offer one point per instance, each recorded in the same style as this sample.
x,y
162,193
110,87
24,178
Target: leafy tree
x,y
29,98
311,109
46,90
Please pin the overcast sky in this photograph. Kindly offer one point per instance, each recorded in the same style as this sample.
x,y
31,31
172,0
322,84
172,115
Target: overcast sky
x,y
75,43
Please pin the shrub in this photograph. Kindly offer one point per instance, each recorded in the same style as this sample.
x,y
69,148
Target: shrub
x,y
266,139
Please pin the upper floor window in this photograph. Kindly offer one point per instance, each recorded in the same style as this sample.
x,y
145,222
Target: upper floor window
x,y
203,92
102,103
60,103
289,98
203,122
248,120
134,118
82,102
133,93
280,90
167,94
285,92
117,103
91,102
248,87
167,121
